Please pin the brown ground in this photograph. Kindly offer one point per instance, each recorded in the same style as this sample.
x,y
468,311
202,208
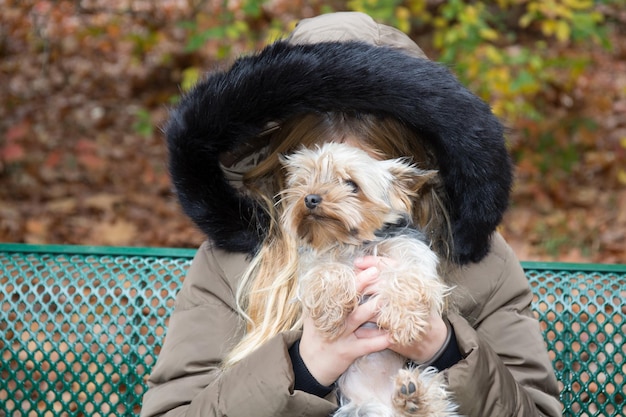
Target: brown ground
x,y
80,164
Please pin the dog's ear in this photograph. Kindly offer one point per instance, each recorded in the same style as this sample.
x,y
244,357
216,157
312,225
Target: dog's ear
x,y
422,178
409,176
408,182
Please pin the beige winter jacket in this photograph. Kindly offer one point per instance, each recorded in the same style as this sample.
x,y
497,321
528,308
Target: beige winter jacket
x,y
505,370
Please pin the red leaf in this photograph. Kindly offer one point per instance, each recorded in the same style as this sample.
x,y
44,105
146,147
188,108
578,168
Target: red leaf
x,y
91,162
53,159
85,146
12,152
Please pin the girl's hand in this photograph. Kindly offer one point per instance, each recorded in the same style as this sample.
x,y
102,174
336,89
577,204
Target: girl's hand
x,y
423,350
327,359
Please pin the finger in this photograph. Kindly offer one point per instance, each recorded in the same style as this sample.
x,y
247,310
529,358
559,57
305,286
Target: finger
x,y
365,262
369,330
371,344
369,261
362,314
366,278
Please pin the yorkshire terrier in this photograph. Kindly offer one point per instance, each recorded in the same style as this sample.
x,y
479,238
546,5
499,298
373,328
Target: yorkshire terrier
x,y
341,203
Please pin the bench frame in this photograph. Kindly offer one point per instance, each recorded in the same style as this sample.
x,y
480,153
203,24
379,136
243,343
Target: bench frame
x,y
82,326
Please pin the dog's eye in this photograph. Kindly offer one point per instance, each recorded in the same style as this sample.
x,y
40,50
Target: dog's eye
x,y
352,184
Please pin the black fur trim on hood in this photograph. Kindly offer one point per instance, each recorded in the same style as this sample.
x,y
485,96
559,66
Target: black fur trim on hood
x,y
230,107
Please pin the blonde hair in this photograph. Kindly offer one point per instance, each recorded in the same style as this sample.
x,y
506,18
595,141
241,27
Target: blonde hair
x,y
266,296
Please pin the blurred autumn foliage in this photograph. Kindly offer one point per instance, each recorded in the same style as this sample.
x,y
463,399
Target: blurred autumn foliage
x,y
85,86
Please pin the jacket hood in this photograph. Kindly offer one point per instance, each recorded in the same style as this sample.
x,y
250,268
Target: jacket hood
x,y
232,107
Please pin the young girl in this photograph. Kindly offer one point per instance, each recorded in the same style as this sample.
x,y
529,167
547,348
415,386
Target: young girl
x,y
237,343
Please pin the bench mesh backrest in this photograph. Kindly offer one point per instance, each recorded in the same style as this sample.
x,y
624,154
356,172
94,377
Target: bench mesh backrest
x,y
80,333
583,317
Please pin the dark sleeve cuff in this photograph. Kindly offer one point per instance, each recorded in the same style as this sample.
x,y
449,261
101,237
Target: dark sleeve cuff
x,y
450,355
304,381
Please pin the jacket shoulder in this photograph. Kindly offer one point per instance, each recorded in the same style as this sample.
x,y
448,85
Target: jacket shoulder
x,y
212,277
481,284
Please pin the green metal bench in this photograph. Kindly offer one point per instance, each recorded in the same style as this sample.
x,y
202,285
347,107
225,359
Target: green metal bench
x,y
81,327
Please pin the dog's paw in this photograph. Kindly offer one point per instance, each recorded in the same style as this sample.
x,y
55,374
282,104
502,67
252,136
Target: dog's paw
x,y
420,392
405,323
328,294
331,320
408,394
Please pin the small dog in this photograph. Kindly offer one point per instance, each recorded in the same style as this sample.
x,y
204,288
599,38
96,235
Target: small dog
x,y
341,203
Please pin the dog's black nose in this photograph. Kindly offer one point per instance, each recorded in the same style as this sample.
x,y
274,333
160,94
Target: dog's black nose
x,y
312,200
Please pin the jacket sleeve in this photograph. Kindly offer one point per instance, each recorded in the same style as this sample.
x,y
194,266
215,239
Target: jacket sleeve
x,y
506,370
187,379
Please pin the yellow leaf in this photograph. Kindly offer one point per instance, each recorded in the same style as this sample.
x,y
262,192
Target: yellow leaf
x,y
190,78
494,55
578,4
404,15
562,31
534,8
548,27
621,176
235,30
535,63
488,34
291,25
498,108
418,7
438,40
526,20
356,6
470,15
622,142
440,22
563,12
596,17
451,37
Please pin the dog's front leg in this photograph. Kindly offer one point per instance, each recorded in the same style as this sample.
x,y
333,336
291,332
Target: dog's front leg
x,y
406,304
411,290
328,294
405,313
